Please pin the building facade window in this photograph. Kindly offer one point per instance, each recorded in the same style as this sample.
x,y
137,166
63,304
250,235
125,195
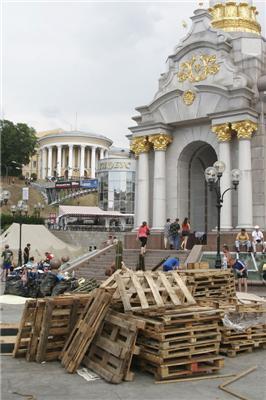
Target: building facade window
x,y
117,185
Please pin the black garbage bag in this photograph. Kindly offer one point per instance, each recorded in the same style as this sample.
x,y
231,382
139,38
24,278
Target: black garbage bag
x,y
15,287
47,285
61,287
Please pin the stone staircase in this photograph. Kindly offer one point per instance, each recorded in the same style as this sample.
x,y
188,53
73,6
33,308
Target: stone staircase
x,y
95,267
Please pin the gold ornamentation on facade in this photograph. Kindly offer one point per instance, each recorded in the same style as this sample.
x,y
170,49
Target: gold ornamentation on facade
x,y
245,129
198,68
161,141
140,144
223,132
189,97
233,17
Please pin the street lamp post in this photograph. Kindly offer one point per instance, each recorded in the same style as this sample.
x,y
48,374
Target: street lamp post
x,y
213,177
20,208
38,208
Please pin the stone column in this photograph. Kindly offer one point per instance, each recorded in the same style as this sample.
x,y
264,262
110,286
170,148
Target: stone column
x,y
93,150
106,154
59,160
50,155
244,130
44,162
223,133
64,157
141,146
70,160
160,143
82,160
101,153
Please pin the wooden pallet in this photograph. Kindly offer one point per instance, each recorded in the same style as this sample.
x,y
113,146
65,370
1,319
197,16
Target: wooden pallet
x,y
194,366
45,325
83,333
51,331
162,355
145,291
8,334
112,349
211,284
24,330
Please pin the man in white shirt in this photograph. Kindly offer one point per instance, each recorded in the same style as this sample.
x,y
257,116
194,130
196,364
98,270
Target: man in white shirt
x,y
258,239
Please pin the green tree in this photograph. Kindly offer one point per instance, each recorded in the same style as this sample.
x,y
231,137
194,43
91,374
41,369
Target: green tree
x,y
18,142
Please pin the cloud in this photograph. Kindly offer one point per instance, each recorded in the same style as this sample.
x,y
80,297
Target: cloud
x,y
100,60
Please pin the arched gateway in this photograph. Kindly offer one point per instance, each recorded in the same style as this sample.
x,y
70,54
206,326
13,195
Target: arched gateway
x,y
209,106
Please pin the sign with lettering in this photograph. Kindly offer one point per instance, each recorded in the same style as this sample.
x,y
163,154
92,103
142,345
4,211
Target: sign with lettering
x,y
116,165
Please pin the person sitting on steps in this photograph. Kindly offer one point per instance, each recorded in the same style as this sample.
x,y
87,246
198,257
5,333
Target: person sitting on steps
x,y
242,239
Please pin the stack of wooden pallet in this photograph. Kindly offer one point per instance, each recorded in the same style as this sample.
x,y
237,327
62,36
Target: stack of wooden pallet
x,y
211,283
243,329
181,342
46,324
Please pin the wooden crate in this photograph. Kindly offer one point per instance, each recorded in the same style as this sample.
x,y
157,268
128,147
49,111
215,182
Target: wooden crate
x,y
84,331
112,349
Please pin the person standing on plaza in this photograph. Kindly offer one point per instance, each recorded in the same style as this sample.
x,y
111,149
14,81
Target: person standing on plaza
x,y
7,255
26,253
258,239
185,233
166,231
241,273
174,233
242,239
143,233
226,257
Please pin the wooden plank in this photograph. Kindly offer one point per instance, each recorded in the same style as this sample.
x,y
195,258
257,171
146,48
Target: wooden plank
x,y
183,287
140,292
238,376
46,323
171,291
123,293
196,378
156,294
35,333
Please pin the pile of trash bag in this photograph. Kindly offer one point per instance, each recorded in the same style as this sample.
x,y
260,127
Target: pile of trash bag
x,y
40,284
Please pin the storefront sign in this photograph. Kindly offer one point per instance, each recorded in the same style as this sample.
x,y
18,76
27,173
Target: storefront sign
x,y
67,184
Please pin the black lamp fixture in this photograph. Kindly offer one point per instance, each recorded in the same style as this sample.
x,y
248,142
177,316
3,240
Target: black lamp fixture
x,y
213,177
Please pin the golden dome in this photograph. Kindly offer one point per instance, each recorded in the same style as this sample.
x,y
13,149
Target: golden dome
x,y
231,16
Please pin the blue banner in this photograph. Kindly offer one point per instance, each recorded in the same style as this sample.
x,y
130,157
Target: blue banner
x,y
89,183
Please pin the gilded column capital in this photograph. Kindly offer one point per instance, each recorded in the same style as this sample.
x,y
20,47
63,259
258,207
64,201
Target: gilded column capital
x,y
160,141
245,129
223,132
140,144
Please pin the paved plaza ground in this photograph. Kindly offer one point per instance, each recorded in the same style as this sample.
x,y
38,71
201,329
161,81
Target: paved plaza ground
x,y
49,381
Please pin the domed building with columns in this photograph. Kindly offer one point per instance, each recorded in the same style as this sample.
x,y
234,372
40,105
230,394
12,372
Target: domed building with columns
x,y
210,105
68,154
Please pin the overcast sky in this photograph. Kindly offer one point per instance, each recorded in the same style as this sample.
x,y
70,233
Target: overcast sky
x,y
97,59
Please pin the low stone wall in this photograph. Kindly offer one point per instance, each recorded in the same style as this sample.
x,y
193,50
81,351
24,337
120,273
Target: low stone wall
x,y
86,239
